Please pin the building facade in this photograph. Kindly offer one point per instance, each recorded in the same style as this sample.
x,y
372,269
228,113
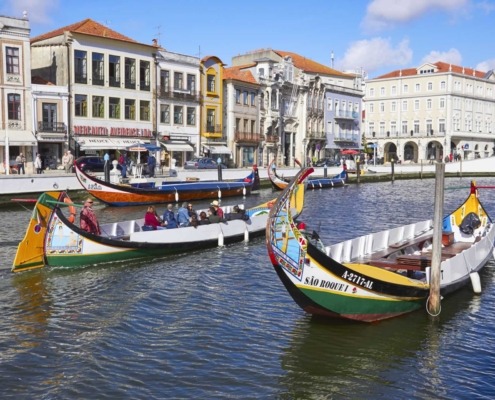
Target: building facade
x,y
178,106
110,84
294,93
433,112
242,116
16,129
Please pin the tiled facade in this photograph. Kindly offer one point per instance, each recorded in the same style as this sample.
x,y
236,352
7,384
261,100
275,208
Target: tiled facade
x,y
435,111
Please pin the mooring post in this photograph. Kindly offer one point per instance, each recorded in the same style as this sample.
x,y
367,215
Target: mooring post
x,y
358,172
421,170
325,172
393,169
433,305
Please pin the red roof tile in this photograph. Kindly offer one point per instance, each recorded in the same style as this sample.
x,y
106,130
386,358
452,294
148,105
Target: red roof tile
x,y
442,67
85,27
308,65
237,73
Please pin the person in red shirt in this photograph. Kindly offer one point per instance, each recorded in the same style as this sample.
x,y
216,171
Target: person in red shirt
x,y
152,219
87,217
218,210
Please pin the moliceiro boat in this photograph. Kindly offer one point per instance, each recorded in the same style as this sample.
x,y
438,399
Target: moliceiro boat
x,y
380,275
54,239
280,183
153,192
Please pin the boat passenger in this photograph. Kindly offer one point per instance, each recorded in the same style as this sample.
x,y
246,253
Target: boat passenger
x,y
237,213
213,217
88,220
203,218
194,220
191,211
218,210
169,219
152,220
183,216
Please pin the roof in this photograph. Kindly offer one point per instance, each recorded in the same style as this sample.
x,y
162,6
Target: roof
x,y
309,65
442,67
85,27
238,74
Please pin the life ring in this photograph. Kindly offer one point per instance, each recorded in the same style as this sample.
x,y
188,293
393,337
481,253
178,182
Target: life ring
x,y
72,210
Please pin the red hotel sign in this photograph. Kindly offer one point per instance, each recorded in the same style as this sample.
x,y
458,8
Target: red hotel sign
x,y
82,130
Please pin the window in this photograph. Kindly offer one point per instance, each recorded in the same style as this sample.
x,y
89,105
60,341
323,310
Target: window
x,y
80,66
178,115
372,92
14,106
164,114
430,86
382,107
114,71
394,90
164,80
416,126
253,126
382,91
191,116
210,120
406,89
178,80
238,96
441,126
245,98
442,102
417,87
371,107
81,105
404,127
416,104
210,83
114,107
443,85
98,107
130,109
98,69
253,99
12,60
237,124
404,105
393,106
429,130
393,128
428,104
329,104
49,117
382,129
130,73
144,110
245,126
144,76
191,83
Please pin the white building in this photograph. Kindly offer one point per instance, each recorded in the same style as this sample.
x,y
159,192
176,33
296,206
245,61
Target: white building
x,y
434,111
16,129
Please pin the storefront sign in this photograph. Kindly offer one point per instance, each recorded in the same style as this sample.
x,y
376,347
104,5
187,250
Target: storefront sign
x,y
86,130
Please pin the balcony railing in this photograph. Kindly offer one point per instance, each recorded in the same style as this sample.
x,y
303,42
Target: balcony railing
x,y
81,78
213,128
130,84
144,86
98,81
346,114
114,82
56,127
168,93
249,137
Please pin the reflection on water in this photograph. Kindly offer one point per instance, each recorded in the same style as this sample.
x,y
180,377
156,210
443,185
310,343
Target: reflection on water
x,y
219,324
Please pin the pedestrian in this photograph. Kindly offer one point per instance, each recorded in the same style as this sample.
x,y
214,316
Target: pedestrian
x,y
20,160
70,162
151,165
65,160
123,164
38,164
88,221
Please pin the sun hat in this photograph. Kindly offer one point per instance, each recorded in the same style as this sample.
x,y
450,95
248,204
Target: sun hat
x,y
214,203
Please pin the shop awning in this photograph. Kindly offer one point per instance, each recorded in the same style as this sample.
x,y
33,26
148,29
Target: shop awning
x,y
19,138
123,143
219,149
177,146
106,143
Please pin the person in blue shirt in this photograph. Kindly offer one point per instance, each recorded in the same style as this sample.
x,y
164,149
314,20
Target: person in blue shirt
x,y
169,217
183,216
151,165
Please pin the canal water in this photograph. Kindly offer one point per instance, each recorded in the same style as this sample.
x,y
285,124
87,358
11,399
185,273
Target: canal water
x,y
218,324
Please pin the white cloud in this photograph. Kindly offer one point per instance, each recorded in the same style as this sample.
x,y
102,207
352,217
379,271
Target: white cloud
x,y
39,11
375,54
486,65
452,56
383,14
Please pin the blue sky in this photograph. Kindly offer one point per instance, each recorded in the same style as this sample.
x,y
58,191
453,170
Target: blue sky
x,y
378,36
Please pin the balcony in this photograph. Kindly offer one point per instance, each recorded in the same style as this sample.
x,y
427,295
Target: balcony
x,y
346,114
184,95
247,137
51,127
114,82
98,81
212,131
144,86
80,78
130,84
271,138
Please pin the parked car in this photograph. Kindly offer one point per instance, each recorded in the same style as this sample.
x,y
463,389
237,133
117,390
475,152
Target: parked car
x,y
95,164
326,161
202,163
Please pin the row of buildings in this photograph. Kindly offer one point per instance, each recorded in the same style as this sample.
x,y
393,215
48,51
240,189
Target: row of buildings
x,y
89,89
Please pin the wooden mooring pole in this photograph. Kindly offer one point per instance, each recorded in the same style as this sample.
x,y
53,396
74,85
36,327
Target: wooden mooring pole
x,y
393,170
433,305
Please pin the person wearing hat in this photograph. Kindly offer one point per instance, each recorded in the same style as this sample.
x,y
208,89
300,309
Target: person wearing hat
x,y
218,210
87,218
20,160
